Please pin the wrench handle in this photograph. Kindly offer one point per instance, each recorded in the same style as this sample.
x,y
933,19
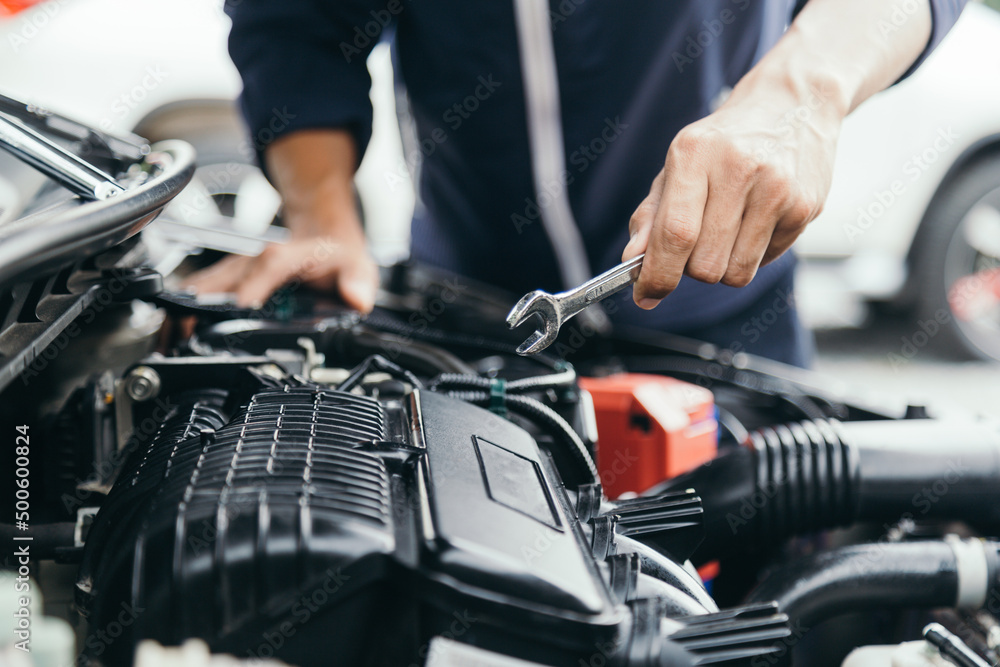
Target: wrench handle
x,y
611,281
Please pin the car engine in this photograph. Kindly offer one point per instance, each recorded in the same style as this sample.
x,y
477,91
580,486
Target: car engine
x,y
299,484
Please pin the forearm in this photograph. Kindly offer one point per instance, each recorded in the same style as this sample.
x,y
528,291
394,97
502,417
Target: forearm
x,y
844,51
314,172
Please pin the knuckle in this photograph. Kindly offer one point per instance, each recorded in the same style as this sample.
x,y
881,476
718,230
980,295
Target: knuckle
x,y
780,183
642,215
740,272
802,210
688,141
680,233
706,271
743,165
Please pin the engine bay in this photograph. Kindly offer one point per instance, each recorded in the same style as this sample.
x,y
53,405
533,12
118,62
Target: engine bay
x,y
299,484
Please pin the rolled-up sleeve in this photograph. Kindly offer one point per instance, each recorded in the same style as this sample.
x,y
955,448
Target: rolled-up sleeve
x,y
303,64
944,14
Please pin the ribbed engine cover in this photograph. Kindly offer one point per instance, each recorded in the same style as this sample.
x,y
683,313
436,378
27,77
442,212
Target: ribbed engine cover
x,y
309,517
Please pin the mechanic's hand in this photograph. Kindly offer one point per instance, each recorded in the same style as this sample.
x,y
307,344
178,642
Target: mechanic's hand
x,y
322,262
737,189
313,170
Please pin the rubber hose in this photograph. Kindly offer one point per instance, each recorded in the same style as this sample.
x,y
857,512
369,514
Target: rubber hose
x,y
817,475
923,575
456,381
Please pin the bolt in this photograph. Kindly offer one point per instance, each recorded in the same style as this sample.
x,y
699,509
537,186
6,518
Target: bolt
x,y
142,384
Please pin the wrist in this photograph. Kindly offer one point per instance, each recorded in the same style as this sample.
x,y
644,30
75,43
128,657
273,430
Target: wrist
x,y
314,172
325,222
797,74
324,207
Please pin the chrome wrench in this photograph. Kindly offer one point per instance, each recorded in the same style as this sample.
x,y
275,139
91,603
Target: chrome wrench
x,y
556,309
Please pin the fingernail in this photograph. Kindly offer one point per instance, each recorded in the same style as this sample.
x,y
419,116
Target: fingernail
x,y
648,304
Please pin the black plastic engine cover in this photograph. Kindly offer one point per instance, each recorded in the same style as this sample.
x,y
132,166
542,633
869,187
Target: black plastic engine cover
x,y
312,518
327,528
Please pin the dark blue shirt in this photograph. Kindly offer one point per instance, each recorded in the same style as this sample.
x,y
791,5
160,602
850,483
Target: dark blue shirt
x,y
631,73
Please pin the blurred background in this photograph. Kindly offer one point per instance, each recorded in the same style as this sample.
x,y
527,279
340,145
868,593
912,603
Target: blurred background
x,y
899,277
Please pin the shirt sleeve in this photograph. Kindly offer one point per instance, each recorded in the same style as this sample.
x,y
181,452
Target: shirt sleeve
x,y
944,14
303,64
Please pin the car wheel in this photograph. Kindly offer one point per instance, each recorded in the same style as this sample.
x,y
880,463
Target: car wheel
x,y
957,261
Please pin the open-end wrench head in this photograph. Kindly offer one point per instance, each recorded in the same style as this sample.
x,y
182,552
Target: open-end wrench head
x,y
538,303
537,341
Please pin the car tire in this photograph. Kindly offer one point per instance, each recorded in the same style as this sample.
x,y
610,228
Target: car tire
x,y
957,263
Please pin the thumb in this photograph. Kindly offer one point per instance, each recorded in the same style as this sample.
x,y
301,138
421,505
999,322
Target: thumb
x,y
358,282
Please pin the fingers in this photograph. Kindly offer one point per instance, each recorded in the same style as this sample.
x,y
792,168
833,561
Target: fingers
x,y
358,283
642,220
719,229
323,263
717,212
673,231
776,214
791,225
754,235
274,267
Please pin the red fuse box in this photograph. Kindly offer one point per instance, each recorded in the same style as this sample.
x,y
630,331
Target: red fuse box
x,y
650,428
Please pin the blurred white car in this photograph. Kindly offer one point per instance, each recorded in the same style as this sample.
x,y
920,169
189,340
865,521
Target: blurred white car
x,y
913,216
